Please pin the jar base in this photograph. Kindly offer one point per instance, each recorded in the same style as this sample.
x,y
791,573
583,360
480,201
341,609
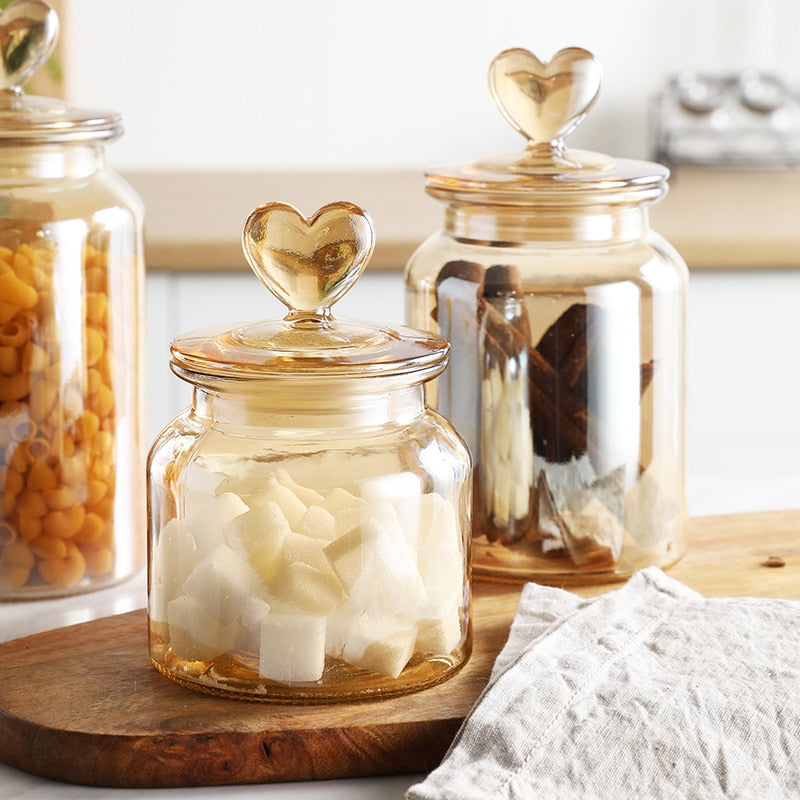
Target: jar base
x,y
496,564
44,591
227,677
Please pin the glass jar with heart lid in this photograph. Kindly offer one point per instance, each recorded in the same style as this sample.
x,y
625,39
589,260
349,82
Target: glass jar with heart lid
x,y
309,516
565,315
72,450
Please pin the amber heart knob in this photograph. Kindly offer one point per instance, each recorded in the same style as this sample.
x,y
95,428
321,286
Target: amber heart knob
x,y
308,264
28,33
544,100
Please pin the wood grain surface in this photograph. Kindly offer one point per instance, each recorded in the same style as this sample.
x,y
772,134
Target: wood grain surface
x,y
83,704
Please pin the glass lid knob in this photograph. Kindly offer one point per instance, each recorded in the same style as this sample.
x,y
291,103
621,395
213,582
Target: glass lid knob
x,y
28,33
308,263
544,101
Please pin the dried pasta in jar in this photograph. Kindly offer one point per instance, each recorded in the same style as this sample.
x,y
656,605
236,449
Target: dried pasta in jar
x,y
72,459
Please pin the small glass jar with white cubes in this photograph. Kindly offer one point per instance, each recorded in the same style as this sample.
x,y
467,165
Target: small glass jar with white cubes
x,y
309,515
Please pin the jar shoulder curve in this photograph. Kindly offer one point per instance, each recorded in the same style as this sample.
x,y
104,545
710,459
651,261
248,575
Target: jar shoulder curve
x,y
177,441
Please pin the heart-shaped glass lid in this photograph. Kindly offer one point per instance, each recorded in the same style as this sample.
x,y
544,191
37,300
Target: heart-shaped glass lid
x,y
308,263
28,34
545,101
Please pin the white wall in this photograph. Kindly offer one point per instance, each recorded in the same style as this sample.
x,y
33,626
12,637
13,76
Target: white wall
x,y
275,84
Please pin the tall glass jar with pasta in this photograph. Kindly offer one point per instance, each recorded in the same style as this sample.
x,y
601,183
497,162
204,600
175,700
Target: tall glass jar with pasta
x,y
71,279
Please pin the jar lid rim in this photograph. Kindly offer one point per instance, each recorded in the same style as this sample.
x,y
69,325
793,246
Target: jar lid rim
x,y
239,352
34,119
574,177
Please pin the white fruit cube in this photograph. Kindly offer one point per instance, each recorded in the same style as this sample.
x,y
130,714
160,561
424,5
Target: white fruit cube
x,y
290,504
389,656
440,634
292,648
222,583
377,569
260,533
253,615
441,558
194,634
345,508
398,492
340,500
305,588
174,558
206,520
380,646
318,523
306,549
305,494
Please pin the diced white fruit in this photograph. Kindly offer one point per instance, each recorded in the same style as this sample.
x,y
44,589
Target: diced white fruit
x,y
222,583
260,533
345,508
305,494
292,648
389,656
318,522
200,482
339,500
174,558
194,634
290,504
440,634
377,568
441,559
400,492
253,615
206,521
345,519
380,646
307,549
308,589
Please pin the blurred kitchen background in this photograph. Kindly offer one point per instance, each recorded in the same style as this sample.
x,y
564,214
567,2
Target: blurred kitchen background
x,y
227,105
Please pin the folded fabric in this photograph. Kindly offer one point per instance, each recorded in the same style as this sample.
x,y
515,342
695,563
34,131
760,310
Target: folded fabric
x,y
649,691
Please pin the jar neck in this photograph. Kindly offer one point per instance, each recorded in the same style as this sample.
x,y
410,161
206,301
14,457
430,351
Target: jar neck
x,y
298,409
23,165
512,224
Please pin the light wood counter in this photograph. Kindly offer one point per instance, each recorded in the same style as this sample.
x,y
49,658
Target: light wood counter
x,y
717,219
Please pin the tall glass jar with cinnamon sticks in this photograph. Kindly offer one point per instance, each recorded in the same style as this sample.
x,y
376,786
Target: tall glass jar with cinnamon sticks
x,y
565,315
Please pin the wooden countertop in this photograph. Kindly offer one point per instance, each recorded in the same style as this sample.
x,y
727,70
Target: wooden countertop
x,y
716,218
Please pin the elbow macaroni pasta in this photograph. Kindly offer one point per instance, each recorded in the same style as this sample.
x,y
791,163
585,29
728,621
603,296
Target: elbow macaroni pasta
x,y
57,440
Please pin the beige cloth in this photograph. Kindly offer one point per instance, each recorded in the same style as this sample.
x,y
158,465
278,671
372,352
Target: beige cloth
x,y
649,691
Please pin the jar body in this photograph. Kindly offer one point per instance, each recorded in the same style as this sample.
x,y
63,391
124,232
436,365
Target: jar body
x,y
566,379
313,555
71,287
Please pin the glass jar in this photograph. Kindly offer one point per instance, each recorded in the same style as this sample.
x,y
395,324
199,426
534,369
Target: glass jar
x,y
71,282
309,517
565,316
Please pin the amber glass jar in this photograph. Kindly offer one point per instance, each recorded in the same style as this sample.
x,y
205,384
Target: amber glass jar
x,y
309,516
565,315
71,280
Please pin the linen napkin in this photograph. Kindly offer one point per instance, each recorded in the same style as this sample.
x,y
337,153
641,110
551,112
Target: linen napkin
x,y
649,691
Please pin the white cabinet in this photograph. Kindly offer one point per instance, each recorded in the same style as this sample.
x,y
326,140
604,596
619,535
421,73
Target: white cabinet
x,y
743,369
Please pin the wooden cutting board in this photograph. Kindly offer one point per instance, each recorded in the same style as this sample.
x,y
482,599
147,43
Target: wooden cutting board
x,y
83,704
